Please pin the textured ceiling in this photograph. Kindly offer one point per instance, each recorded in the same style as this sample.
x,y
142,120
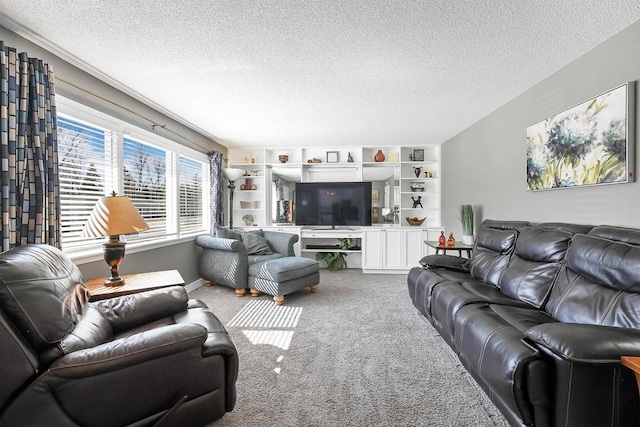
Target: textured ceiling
x,y
332,73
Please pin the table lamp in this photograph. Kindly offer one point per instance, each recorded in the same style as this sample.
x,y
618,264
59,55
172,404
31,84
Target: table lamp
x,y
112,216
231,175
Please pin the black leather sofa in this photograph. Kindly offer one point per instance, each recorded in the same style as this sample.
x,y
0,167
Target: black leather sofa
x,y
540,316
150,359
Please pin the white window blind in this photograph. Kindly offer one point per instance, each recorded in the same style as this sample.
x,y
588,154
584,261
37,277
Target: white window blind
x,y
192,174
85,159
145,183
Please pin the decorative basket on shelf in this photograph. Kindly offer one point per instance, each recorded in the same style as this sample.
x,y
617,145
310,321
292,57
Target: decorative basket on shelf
x,y
415,220
252,204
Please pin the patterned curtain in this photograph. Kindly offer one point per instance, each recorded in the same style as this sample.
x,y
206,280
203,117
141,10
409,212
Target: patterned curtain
x,y
217,208
30,197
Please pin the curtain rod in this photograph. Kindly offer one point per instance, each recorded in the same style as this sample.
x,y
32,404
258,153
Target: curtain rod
x,y
154,123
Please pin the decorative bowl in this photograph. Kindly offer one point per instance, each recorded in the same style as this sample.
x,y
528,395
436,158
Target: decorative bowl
x,y
283,158
252,204
415,220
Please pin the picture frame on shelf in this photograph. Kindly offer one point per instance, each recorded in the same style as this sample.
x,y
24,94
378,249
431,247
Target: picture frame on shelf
x,y
375,195
332,157
418,155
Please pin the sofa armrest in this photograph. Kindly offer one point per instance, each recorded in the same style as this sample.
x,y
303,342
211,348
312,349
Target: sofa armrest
x,y
128,311
447,262
280,242
220,244
586,343
125,352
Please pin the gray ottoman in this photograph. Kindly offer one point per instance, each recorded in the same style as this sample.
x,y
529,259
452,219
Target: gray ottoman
x,y
281,276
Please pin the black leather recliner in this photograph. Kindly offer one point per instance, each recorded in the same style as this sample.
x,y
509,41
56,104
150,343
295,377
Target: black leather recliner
x,y
153,358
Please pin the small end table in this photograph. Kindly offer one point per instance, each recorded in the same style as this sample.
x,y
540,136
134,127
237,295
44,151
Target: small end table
x,y
457,247
134,283
632,363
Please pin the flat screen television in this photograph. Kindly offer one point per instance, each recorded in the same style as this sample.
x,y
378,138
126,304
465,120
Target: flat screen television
x,y
333,203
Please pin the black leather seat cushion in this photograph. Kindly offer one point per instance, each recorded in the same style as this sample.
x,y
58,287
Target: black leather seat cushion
x,y
494,352
450,297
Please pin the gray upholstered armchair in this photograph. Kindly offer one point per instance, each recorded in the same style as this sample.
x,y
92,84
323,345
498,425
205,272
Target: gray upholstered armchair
x,y
225,259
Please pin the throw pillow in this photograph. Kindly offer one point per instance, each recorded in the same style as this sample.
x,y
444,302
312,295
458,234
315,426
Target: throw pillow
x,y
227,233
256,244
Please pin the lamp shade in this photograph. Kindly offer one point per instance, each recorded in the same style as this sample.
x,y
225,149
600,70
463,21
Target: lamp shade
x,y
113,216
232,174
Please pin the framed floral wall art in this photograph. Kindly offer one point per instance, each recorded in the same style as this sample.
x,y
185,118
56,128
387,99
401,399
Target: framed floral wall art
x,y
588,144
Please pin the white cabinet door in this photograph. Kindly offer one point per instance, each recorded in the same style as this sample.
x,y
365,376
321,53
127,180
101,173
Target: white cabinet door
x,y
372,245
414,247
392,241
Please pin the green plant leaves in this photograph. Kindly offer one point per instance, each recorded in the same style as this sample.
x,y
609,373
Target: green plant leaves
x,y
335,260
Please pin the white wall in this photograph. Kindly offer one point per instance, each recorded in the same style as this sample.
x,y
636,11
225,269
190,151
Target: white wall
x,y
485,164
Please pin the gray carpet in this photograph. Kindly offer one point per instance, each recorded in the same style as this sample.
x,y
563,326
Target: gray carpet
x,y
356,353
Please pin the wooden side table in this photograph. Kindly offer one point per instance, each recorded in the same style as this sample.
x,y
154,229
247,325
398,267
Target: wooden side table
x,y
632,363
134,283
457,247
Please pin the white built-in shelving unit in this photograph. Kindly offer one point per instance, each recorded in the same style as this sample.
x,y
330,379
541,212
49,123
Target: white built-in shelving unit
x,y
398,171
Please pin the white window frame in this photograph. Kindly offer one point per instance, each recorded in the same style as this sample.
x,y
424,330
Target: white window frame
x,y
82,112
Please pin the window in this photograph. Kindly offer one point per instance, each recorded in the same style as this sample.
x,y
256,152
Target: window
x,y
98,154
191,205
84,169
145,182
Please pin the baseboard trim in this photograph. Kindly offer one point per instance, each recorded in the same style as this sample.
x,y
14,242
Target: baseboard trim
x,y
194,285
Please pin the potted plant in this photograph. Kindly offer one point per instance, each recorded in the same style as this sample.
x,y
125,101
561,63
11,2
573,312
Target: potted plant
x,y
248,219
335,260
466,218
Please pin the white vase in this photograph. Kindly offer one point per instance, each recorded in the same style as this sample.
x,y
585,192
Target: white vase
x,y
467,239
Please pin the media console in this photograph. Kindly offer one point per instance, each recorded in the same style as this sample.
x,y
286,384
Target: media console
x,y
387,249
323,239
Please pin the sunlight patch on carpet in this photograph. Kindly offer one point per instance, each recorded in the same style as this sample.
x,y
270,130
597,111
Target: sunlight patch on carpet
x,y
280,339
265,314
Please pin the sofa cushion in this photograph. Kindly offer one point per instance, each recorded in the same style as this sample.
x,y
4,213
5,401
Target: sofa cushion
x,y
449,297
256,244
565,226
619,234
495,354
534,265
491,254
505,225
283,269
598,284
522,318
36,276
256,259
227,233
